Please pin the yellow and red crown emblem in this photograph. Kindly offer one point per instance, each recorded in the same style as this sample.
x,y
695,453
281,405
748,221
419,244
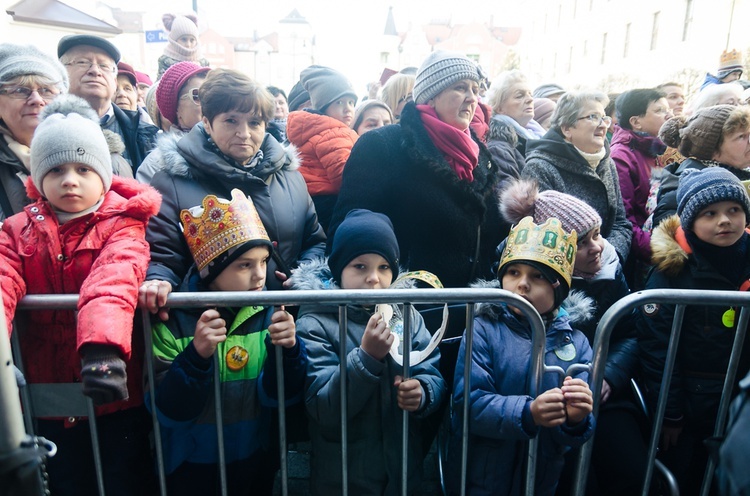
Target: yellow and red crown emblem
x,y
546,243
730,59
217,225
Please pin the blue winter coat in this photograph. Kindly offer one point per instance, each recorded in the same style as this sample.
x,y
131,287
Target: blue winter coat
x,y
500,423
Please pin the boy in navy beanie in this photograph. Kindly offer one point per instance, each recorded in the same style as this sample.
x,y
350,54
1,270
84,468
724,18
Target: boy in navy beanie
x,y
705,246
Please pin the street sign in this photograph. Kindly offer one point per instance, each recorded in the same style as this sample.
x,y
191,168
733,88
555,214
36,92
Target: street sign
x,y
156,36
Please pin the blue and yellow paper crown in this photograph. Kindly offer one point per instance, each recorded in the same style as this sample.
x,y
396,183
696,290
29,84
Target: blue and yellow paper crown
x,y
546,243
218,225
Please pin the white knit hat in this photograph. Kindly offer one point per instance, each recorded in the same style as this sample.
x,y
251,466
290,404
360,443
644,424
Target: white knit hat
x,y
440,70
61,139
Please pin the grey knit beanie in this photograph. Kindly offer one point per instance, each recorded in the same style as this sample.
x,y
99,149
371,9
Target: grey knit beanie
x,y
440,70
28,60
701,188
325,86
69,138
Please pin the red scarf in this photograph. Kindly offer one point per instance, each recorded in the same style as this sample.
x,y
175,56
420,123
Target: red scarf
x,y
459,150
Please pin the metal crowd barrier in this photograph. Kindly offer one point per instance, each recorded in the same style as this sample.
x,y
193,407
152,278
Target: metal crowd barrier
x,y
681,299
292,298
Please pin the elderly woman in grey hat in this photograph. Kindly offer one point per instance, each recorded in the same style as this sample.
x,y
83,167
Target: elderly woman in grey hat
x,y
432,177
712,137
29,80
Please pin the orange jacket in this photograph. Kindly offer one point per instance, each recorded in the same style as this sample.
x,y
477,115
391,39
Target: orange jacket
x,y
324,145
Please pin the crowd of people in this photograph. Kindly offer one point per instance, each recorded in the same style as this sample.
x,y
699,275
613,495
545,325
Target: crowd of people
x,y
123,191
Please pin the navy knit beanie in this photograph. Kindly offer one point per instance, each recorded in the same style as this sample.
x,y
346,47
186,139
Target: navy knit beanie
x,y
361,232
701,188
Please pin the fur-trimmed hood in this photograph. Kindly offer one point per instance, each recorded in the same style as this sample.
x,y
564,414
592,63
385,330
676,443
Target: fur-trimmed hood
x,y
502,130
578,307
125,197
667,253
182,156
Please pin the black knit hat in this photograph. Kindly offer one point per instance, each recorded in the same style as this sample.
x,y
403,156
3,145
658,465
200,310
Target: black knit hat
x,y
701,188
559,285
361,232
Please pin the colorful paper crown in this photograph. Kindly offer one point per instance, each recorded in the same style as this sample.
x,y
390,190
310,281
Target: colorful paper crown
x,y
730,61
546,243
217,225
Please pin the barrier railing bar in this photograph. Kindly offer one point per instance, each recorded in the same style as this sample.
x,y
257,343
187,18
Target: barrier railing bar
x,y
465,406
25,395
344,404
726,392
281,394
219,414
405,414
149,359
95,446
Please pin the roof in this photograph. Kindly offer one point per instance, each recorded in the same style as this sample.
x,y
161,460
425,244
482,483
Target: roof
x,y
294,17
56,13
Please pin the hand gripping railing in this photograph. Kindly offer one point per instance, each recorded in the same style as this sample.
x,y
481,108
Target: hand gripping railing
x,y
681,298
341,298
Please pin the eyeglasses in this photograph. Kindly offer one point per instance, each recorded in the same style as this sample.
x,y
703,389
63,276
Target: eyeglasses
x,y
85,65
597,119
193,95
406,98
24,93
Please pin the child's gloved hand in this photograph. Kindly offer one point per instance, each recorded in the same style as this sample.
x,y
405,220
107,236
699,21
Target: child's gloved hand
x,y
548,409
409,394
377,339
209,332
282,330
579,401
103,374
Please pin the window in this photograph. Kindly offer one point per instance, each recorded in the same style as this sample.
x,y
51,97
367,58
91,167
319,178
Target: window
x,y
626,47
585,48
570,60
688,19
559,15
604,47
575,8
655,31
383,57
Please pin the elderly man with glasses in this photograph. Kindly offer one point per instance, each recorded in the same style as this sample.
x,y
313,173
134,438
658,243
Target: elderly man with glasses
x,y
91,62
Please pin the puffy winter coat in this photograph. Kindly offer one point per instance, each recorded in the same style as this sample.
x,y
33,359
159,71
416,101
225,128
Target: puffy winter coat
x,y
443,224
556,164
500,419
103,256
193,168
375,420
506,149
706,340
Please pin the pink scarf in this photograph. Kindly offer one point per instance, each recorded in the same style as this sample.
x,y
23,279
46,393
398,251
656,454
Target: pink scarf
x,y
457,147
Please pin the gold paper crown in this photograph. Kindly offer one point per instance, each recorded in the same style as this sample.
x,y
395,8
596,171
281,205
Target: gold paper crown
x,y
730,60
546,243
217,225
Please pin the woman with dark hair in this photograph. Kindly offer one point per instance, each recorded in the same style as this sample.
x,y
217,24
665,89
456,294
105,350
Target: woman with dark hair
x,y
635,147
229,149
573,158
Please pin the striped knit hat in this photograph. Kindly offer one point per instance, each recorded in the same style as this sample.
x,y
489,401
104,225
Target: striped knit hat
x,y
522,198
440,70
701,188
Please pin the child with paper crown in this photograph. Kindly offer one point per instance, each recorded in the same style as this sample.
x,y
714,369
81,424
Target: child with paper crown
x,y
598,275
536,264
705,246
364,255
84,233
230,247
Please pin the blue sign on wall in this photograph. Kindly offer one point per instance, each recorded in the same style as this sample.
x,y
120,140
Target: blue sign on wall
x,y
156,36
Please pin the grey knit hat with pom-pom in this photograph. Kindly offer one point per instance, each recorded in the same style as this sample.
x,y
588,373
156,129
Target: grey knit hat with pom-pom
x,y
522,198
698,136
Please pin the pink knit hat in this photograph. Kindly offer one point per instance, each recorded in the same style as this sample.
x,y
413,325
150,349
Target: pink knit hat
x,y
171,83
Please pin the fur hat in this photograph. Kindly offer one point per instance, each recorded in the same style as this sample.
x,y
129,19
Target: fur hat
x,y
548,90
28,60
69,132
729,62
701,188
218,231
325,86
361,232
73,40
699,135
522,198
440,70
170,85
